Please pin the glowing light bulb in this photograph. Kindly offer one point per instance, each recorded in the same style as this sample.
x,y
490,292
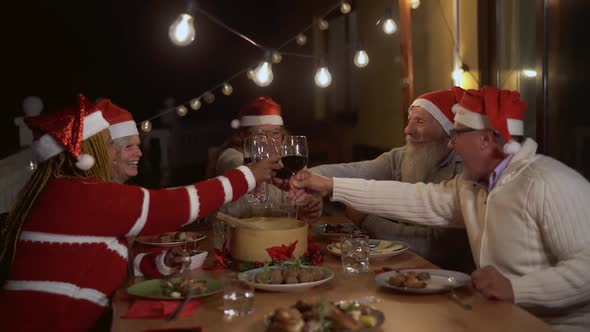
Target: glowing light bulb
x,y
301,39
323,24
323,78
414,4
146,126
182,30
389,26
262,75
458,76
345,7
361,59
227,89
529,73
181,110
277,57
196,104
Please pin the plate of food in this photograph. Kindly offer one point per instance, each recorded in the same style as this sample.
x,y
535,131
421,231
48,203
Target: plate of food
x,y
170,239
175,288
349,316
286,278
379,248
422,281
337,229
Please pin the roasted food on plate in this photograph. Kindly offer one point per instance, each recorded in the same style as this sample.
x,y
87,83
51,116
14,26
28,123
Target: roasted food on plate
x,y
410,279
180,288
289,275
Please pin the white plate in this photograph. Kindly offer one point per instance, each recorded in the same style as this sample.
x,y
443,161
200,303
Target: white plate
x,y
379,248
248,278
438,282
154,240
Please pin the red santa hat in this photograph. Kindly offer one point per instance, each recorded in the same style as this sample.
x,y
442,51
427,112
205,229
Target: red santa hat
x,y
54,132
260,111
120,120
501,110
439,104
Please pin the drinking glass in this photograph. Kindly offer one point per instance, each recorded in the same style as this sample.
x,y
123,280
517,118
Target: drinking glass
x,y
220,233
355,252
262,148
294,155
238,297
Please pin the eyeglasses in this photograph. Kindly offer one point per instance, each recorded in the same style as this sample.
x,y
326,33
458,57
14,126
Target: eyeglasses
x,y
456,131
276,134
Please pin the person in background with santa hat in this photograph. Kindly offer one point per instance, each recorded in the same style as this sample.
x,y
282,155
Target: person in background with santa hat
x,y
527,215
260,116
426,157
63,248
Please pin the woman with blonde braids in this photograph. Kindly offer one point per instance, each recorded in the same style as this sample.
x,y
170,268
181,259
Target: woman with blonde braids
x,y
63,245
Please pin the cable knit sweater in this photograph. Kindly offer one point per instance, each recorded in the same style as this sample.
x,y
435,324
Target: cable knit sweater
x,y
444,247
534,227
72,254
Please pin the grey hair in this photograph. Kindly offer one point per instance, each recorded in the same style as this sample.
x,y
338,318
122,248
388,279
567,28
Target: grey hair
x,y
122,141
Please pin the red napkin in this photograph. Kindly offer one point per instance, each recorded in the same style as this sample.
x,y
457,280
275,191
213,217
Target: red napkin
x,y
154,309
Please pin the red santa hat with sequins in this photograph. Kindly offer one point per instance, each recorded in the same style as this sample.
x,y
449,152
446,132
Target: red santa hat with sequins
x,y
439,104
490,107
54,132
260,111
120,120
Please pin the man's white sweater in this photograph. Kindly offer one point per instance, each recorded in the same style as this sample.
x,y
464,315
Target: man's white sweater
x,y
534,227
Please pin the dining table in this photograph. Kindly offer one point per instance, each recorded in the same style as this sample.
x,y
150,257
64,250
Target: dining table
x,y
402,311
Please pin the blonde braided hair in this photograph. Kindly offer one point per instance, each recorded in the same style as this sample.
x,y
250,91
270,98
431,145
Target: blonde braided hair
x,y
62,165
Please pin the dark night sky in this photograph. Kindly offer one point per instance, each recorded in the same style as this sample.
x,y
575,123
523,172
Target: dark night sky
x,y
120,50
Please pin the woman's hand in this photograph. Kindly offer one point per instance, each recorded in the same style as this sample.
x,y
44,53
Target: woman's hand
x,y
264,169
177,257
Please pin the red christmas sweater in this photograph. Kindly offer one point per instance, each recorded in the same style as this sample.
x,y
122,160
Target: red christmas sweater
x,y
72,255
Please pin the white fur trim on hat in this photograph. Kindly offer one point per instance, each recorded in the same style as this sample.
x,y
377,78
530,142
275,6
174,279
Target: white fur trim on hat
x,y
511,147
257,120
85,162
93,124
123,129
515,127
438,115
46,147
470,119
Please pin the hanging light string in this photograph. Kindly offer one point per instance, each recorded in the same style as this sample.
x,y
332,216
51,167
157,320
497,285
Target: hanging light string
x,y
228,28
308,27
455,48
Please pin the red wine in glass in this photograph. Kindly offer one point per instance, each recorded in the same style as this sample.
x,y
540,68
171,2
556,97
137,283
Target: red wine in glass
x,y
294,163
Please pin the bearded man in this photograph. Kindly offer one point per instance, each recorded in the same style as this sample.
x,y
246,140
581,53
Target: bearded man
x,y
425,158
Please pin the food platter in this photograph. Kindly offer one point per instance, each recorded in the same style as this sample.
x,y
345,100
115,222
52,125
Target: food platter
x,y
379,248
374,316
249,277
168,239
440,281
153,288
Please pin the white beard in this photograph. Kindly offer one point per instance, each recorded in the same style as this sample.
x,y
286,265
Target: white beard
x,y
422,160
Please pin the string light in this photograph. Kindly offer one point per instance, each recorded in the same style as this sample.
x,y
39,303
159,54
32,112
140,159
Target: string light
x,y
32,166
277,57
146,126
323,24
181,110
227,89
345,7
301,39
323,78
182,30
209,97
195,104
361,59
414,4
387,22
262,75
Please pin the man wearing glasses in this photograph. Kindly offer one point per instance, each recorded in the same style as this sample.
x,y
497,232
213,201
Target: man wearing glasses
x,y
426,157
526,215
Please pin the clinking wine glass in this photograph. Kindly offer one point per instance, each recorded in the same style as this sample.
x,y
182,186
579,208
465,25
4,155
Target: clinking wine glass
x,y
262,148
294,156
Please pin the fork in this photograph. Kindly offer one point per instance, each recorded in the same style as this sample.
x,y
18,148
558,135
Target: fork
x,y
178,309
465,305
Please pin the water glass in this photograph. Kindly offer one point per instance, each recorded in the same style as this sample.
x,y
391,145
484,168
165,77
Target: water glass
x,y
220,233
238,297
355,253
